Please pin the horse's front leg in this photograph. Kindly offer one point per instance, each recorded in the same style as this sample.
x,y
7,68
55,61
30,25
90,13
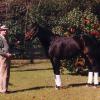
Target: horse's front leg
x,y
93,76
56,68
93,72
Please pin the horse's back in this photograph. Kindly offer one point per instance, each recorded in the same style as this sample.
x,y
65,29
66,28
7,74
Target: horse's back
x,y
63,47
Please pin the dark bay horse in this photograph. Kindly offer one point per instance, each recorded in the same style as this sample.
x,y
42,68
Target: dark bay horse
x,y
61,47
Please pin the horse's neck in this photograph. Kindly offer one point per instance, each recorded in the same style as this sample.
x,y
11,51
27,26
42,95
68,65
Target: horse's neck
x,y
45,38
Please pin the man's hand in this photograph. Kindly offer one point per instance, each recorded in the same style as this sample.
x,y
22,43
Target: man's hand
x,y
8,55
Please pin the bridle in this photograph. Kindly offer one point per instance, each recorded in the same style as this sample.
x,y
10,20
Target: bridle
x,y
29,35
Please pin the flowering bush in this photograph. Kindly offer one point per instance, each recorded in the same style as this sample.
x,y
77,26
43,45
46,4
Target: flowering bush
x,y
86,20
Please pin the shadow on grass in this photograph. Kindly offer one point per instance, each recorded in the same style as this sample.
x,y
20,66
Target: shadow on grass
x,y
28,63
76,85
45,87
30,89
21,65
19,70
83,73
10,84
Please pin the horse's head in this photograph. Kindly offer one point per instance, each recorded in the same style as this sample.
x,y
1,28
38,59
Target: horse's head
x,y
89,40
89,43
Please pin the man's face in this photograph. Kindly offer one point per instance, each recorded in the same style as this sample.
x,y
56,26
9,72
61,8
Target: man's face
x,y
3,32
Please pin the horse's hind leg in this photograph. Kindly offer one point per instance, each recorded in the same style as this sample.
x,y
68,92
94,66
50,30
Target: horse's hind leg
x,y
56,69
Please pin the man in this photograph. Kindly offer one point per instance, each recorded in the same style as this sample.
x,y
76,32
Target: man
x,y
4,60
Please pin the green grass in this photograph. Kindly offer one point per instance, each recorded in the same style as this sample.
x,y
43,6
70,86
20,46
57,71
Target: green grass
x,y
36,82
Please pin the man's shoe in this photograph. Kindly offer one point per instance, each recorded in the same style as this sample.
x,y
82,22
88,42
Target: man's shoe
x,y
5,92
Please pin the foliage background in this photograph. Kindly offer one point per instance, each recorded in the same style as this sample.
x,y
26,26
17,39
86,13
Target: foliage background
x,y
19,14
60,16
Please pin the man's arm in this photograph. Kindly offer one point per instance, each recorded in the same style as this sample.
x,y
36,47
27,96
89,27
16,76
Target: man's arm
x,y
1,46
2,52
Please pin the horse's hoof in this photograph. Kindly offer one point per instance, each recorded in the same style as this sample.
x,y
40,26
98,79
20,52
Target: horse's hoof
x,y
95,86
58,87
89,85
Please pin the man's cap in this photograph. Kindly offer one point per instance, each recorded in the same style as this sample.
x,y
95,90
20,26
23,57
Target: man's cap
x,y
3,27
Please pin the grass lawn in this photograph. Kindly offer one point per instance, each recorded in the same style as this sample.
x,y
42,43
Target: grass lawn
x,y
36,82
